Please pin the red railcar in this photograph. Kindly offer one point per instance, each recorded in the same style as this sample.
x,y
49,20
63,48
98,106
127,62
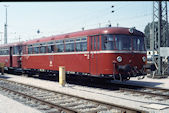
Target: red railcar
x,y
10,55
111,52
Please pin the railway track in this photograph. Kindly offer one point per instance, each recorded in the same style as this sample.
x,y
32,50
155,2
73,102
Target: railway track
x,y
49,101
163,94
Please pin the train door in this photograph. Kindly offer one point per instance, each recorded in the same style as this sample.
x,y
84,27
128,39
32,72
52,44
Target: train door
x,y
10,56
19,56
93,54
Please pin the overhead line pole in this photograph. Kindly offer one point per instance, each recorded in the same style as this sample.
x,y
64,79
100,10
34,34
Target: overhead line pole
x,y
160,36
5,28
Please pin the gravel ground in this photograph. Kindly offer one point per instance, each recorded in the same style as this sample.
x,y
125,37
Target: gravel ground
x,y
100,94
8,105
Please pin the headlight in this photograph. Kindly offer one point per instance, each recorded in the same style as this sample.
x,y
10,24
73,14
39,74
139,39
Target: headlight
x,y
144,58
119,58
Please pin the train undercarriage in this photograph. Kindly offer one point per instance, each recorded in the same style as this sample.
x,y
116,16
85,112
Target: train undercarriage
x,y
126,72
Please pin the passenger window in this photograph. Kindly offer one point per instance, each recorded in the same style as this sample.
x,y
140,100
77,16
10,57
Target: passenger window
x,y
108,42
43,49
30,49
98,43
60,47
84,46
81,44
50,48
78,46
7,52
69,45
95,43
15,51
20,50
36,49
91,43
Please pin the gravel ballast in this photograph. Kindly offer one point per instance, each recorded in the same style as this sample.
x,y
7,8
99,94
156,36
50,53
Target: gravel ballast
x,y
115,97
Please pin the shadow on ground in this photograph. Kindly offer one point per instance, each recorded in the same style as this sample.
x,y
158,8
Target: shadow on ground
x,y
4,77
143,83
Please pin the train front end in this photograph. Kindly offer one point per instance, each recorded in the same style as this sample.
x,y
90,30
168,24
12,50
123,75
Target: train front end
x,y
127,54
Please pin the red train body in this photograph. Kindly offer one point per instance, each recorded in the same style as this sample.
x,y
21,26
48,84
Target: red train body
x,y
112,52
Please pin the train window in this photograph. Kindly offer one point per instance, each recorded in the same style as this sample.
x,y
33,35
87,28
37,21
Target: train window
x,y
36,49
19,49
61,41
30,50
57,42
78,47
78,39
84,39
95,43
60,48
43,49
84,46
98,43
2,52
138,43
108,42
67,41
72,40
123,42
91,43
6,52
81,46
51,48
16,50
69,45
50,43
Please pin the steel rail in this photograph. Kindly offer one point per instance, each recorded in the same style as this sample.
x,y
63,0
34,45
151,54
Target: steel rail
x,y
124,109
61,108
145,93
134,88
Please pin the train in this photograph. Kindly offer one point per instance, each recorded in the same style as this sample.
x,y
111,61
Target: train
x,y
116,53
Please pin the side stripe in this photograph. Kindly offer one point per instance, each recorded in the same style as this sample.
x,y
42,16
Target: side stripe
x,y
85,52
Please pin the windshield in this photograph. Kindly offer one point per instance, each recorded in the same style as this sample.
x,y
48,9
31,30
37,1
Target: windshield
x,y
108,42
138,43
122,42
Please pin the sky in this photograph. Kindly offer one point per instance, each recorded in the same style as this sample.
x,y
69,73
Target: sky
x,y
24,19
